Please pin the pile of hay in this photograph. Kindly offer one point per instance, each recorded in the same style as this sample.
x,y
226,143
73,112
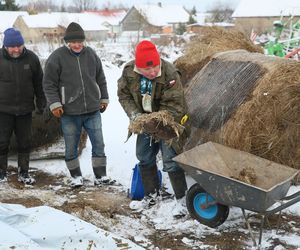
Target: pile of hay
x,y
267,122
210,41
160,125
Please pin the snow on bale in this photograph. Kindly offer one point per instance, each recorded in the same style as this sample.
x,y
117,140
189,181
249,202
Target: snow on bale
x,y
210,41
250,102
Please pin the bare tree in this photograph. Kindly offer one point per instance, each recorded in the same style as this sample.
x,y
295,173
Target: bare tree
x,y
35,6
82,5
220,13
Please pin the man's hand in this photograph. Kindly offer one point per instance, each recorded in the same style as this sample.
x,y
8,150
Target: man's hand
x,y
57,112
103,107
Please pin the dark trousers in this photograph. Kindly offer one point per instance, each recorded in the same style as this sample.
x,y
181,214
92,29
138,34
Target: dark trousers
x,y
147,150
21,126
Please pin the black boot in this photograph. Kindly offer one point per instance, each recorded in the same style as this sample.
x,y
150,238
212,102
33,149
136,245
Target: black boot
x,y
99,169
150,182
150,179
3,168
23,168
23,162
76,176
178,183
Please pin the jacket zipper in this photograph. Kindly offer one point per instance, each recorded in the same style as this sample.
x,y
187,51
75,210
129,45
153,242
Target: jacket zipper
x,y
82,83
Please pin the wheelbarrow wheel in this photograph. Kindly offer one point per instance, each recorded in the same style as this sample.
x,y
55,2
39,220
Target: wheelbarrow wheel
x,y
196,201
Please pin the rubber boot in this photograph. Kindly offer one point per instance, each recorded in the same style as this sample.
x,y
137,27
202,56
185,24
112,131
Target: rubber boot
x,y
178,183
99,166
23,169
150,182
99,169
23,162
179,186
74,167
76,176
3,168
150,179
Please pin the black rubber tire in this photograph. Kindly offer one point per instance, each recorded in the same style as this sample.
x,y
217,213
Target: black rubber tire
x,y
219,212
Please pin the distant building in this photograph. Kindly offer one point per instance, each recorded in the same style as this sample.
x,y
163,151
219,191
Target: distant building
x,y
154,19
50,27
7,20
111,20
259,15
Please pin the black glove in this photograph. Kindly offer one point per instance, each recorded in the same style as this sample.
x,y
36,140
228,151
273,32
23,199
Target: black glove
x,y
103,107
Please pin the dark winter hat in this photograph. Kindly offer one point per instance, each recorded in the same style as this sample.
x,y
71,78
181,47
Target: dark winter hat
x,y
12,38
74,32
146,55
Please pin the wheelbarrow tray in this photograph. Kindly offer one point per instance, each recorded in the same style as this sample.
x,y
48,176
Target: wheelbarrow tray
x,y
216,167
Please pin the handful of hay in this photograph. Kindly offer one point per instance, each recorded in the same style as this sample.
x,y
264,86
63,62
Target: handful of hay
x,y
160,125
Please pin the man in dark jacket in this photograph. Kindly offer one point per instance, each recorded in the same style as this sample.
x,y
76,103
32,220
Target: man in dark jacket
x,y
150,84
76,91
20,92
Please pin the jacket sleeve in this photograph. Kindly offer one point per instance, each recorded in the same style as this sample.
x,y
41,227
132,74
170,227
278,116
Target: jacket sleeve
x,y
101,81
172,98
40,100
125,97
51,82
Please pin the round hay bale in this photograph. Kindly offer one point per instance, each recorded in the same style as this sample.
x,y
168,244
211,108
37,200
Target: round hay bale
x,y
210,41
259,115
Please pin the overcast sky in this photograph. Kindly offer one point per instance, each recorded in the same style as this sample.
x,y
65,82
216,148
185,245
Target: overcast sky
x,y
201,5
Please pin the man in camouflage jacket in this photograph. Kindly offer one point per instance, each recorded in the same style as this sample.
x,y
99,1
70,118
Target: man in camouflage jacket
x,y
150,77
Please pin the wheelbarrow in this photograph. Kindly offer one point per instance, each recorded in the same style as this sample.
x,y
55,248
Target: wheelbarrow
x,y
218,172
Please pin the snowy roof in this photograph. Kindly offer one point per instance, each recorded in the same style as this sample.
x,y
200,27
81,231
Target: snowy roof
x,y
111,17
8,18
88,22
163,15
267,8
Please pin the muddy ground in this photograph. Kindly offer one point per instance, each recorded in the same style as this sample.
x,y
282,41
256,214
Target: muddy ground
x,y
106,207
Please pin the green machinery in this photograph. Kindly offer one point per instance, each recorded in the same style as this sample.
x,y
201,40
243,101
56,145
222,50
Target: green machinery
x,y
287,39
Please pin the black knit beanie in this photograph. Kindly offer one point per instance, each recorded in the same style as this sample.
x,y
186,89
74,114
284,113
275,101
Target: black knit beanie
x,y
74,32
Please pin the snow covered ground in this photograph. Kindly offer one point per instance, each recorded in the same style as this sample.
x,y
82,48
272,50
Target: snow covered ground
x,y
44,227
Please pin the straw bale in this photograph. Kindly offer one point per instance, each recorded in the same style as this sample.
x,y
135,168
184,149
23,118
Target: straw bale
x,y
210,41
267,122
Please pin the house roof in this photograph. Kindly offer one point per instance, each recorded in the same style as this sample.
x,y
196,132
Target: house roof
x,y
267,8
88,22
112,17
163,15
8,18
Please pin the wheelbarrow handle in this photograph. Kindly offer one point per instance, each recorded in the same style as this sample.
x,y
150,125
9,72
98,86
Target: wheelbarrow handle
x,y
294,198
291,196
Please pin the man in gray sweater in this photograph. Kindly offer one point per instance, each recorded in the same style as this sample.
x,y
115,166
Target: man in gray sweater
x,y
75,87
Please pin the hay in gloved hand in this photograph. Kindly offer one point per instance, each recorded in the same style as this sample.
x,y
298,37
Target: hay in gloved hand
x,y
160,125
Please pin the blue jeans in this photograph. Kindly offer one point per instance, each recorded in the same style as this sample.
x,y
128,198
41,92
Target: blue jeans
x,y
147,149
71,127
